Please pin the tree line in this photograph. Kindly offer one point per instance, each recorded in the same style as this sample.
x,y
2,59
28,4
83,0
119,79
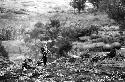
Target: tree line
x,y
114,8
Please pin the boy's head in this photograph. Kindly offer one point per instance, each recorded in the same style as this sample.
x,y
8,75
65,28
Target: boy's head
x,y
42,49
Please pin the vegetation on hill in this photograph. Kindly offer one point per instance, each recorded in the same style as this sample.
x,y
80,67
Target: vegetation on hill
x,y
80,46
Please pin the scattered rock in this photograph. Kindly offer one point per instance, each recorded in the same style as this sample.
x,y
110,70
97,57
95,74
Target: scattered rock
x,y
69,81
84,38
94,36
84,46
107,47
116,45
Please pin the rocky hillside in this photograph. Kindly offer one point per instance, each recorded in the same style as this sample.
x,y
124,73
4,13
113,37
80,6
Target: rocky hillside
x,y
79,44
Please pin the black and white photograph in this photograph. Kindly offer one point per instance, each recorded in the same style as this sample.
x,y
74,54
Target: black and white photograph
x,y
62,40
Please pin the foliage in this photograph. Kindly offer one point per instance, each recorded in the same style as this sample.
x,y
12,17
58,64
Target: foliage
x,y
103,6
27,39
34,33
55,23
5,34
63,69
4,62
114,8
52,29
123,2
39,25
39,29
10,33
116,12
32,39
64,46
78,4
70,33
95,3
3,52
88,31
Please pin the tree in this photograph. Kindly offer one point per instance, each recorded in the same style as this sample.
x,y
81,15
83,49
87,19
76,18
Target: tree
x,y
78,4
116,11
3,51
95,3
123,2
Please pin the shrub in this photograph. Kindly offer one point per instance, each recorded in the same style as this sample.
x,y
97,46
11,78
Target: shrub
x,y
95,3
55,23
34,33
27,39
103,6
108,39
53,33
5,34
64,46
44,33
116,12
52,29
78,4
3,51
74,32
72,60
39,25
88,31
3,10
39,29
70,33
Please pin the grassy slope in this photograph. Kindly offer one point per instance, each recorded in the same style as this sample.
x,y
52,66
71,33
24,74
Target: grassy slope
x,y
80,70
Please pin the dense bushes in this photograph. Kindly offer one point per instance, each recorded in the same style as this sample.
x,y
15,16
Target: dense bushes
x,y
11,33
88,31
5,34
54,23
56,35
70,33
3,51
95,3
116,12
64,46
51,31
78,4
114,8
39,29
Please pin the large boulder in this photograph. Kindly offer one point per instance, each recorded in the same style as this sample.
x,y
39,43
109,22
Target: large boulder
x,y
90,46
94,36
116,45
122,51
84,38
107,47
97,40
